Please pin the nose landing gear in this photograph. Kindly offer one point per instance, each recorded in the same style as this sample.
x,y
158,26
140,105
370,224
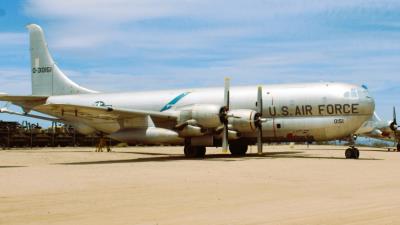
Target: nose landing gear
x,y
352,153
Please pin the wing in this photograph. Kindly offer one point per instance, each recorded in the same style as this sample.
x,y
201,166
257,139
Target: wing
x,y
89,113
106,114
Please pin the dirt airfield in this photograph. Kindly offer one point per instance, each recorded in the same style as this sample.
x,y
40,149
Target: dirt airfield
x,y
157,185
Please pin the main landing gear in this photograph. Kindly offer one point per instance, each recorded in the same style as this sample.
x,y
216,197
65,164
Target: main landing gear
x,y
352,153
395,148
194,151
238,148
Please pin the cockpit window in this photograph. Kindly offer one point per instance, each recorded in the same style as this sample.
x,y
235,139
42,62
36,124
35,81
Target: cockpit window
x,y
363,92
353,93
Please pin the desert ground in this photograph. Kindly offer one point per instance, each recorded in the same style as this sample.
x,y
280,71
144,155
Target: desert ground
x,y
157,185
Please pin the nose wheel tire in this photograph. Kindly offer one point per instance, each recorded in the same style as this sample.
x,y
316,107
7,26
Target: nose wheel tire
x,y
352,153
194,151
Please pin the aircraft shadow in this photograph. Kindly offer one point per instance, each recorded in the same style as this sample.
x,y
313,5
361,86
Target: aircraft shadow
x,y
213,158
336,149
145,153
34,151
383,151
3,167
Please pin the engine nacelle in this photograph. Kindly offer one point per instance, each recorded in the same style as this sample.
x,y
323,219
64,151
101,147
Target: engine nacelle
x,y
243,120
205,115
149,135
191,131
83,129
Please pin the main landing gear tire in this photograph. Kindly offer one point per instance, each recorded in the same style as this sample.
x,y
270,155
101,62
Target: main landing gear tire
x,y
352,153
238,148
398,147
194,151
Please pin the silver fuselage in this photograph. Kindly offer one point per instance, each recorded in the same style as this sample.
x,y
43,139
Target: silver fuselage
x,y
295,112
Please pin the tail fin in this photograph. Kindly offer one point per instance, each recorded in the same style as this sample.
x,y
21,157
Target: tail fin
x,y
47,78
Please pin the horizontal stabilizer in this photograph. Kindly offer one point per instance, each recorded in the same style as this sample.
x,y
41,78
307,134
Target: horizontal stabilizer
x,y
6,110
22,98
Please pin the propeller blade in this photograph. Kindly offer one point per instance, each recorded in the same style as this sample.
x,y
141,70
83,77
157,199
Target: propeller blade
x,y
393,124
260,120
259,101
259,140
225,139
225,143
226,92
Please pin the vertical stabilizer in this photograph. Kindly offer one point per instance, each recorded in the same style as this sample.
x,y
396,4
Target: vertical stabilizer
x,y
47,78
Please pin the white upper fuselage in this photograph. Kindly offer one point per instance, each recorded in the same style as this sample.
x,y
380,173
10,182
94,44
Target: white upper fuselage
x,y
296,112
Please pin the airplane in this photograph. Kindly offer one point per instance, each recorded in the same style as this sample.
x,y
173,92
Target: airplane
x,y
380,129
233,118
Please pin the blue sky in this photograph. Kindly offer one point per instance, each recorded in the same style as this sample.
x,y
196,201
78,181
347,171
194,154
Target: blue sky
x,y
142,45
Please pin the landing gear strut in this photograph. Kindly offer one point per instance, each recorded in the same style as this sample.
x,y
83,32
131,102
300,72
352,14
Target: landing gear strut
x,y
194,151
103,143
352,153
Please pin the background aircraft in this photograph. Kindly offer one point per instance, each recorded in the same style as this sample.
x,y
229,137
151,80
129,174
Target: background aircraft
x,y
380,129
197,118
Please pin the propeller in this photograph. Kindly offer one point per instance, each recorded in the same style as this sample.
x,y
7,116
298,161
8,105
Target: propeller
x,y
224,116
393,124
259,120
